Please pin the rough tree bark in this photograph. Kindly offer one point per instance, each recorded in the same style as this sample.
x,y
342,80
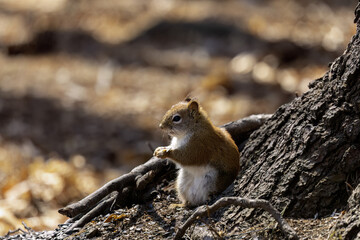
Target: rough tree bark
x,y
305,159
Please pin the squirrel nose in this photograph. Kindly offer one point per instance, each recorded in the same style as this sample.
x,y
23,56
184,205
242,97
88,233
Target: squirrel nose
x,y
161,125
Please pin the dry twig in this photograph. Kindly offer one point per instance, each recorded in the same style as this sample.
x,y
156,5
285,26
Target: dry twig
x,y
95,204
28,230
242,202
154,164
99,209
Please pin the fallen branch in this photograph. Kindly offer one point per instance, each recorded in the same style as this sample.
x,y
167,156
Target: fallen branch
x,y
99,209
154,164
203,211
138,180
29,230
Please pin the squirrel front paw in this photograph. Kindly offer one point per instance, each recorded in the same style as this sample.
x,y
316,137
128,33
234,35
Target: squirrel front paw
x,y
161,152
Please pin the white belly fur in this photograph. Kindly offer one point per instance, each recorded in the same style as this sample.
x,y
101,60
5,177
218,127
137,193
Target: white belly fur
x,y
178,142
195,184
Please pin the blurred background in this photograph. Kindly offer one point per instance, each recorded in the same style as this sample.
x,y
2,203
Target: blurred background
x,y
84,83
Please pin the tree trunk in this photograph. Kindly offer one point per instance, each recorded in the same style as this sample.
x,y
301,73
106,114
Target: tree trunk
x,y
306,158
349,225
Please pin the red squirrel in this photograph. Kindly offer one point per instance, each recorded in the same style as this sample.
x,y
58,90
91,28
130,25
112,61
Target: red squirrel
x,y
207,155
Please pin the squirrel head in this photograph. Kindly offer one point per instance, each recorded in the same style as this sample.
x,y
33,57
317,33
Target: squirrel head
x,y
182,117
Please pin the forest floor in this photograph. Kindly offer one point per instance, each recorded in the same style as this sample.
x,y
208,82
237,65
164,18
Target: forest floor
x,y
157,220
84,84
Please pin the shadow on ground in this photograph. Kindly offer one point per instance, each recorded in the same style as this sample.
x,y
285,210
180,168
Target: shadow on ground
x,y
55,130
215,38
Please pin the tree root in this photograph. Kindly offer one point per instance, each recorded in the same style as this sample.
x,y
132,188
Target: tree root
x,y
94,204
241,130
129,186
104,206
203,211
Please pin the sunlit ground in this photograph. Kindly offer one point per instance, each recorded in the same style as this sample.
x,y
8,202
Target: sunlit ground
x,y
84,84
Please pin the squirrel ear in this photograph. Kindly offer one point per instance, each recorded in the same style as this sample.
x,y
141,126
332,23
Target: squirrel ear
x,y
187,99
193,105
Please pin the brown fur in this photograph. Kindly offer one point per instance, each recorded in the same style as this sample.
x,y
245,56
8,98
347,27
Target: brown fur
x,y
208,144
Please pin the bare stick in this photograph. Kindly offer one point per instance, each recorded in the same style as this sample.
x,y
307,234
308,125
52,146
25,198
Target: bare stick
x,y
203,211
29,229
155,164
15,231
93,213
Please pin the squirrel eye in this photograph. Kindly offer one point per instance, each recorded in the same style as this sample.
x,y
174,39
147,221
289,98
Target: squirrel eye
x,y
176,118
